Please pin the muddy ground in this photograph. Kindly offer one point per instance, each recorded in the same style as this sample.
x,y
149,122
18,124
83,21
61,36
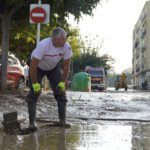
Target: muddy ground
x,y
99,120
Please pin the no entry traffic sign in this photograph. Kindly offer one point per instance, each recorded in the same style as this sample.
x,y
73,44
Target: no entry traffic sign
x,y
38,15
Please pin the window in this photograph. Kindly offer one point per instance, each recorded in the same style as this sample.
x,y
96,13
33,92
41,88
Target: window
x,y
11,60
96,73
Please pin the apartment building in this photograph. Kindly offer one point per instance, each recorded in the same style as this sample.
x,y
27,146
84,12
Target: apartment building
x,y
141,48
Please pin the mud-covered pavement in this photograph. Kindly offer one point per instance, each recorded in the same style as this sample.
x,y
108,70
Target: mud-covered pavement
x,y
100,121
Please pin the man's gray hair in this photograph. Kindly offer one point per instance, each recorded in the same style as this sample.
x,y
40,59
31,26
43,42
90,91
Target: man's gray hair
x,y
58,31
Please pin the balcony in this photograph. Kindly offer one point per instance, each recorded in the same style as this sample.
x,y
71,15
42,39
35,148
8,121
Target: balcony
x,y
137,69
143,49
143,16
137,56
136,44
143,33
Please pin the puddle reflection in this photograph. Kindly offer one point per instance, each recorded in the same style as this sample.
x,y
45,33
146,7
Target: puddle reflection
x,y
105,137
92,137
82,137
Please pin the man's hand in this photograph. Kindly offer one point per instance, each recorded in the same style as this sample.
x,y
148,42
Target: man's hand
x,y
36,88
61,87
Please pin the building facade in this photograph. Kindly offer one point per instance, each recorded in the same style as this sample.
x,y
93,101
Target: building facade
x,y
141,49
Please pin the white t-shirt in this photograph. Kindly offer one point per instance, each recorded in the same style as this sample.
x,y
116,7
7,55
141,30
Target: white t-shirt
x,y
49,55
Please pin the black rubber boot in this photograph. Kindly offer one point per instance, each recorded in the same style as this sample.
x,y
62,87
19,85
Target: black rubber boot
x,y
32,115
62,111
62,114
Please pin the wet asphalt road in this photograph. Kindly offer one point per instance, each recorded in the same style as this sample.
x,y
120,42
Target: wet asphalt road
x,y
116,120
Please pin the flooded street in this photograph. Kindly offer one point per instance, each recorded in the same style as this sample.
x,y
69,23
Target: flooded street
x,y
110,120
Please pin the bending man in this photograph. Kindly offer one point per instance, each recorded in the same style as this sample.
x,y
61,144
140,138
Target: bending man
x,y
45,61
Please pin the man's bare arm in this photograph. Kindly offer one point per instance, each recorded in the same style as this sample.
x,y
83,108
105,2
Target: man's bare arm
x,y
66,69
33,69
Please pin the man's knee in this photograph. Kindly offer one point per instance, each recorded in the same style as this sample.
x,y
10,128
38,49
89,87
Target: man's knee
x,y
60,97
31,98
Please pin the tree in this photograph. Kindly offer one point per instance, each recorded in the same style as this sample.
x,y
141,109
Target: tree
x,y
92,58
26,38
60,9
7,9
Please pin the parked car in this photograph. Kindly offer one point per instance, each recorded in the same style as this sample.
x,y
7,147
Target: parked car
x,y
15,72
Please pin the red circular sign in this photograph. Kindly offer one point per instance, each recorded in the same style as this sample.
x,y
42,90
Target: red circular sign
x,y
38,15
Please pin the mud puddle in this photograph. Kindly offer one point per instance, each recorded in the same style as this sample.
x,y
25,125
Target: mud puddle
x,y
103,136
126,125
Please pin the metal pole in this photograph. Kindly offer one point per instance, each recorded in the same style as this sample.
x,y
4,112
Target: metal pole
x,y
38,27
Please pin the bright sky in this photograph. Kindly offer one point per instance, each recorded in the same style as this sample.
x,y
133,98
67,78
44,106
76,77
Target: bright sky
x,y
114,21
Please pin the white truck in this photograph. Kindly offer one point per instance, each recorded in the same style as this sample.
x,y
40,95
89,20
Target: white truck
x,y
98,77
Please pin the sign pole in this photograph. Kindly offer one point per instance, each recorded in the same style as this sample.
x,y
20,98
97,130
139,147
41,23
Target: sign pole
x,y
38,27
39,13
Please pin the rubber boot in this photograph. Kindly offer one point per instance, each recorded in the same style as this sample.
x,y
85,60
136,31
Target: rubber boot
x,y
32,115
62,113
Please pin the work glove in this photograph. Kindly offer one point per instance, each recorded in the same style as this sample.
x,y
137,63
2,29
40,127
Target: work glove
x,y
61,87
36,88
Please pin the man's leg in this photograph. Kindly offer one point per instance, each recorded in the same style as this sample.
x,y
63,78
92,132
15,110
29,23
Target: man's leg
x,y
32,100
32,115
54,77
61,103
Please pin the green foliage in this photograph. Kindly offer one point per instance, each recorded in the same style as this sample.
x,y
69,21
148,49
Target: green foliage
x,y
74,41
23,41
23,34
77,7
22,37
91,58
59,9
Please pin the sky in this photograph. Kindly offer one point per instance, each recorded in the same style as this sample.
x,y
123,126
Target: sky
x,y
112,26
